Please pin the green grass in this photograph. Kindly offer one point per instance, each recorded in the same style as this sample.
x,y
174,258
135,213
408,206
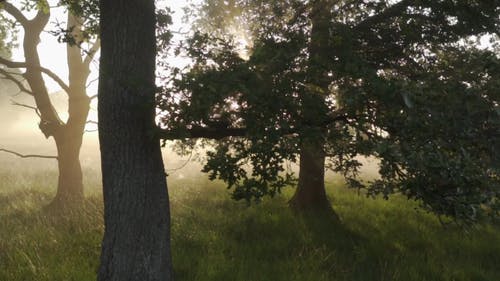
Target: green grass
x,y
214,238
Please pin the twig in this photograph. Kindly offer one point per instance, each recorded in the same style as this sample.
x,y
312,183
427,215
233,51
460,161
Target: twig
x,y
9,76
26,106
181,166
28,155
91,82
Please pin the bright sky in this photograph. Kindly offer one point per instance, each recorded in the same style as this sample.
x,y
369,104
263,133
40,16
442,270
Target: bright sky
x,y
53,54
23,134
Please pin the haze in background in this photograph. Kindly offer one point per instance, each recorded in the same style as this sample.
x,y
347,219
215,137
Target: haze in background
x,y
19,126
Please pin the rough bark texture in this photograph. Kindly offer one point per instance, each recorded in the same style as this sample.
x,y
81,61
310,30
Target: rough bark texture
x,y
136,244
310,194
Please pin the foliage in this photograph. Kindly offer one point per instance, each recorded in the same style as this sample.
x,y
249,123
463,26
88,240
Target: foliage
x,y
403,85
88,14
7,35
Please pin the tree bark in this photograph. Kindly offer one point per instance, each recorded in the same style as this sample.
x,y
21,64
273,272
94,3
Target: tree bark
x,y
70,190
70,136
310,194
67,135
70,182
136,243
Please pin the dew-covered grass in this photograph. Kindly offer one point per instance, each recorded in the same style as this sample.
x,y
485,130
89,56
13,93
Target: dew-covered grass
x,y
215,238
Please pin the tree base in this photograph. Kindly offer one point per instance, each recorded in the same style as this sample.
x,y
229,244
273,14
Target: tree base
x,y
320,208
64,205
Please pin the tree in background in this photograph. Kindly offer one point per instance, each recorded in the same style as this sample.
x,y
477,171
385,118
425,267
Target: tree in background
x,y
68,133
136,244
334,80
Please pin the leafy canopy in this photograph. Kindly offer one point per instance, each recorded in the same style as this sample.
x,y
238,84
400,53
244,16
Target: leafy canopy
x,y
403,84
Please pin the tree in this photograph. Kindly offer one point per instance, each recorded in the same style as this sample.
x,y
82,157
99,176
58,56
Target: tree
x,y
67,134
342,79
136,242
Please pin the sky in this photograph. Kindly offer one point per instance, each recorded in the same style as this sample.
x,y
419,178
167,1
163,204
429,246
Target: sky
x,y
19,126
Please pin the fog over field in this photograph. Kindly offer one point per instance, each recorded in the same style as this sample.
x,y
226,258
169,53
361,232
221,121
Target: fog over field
x,y
19,132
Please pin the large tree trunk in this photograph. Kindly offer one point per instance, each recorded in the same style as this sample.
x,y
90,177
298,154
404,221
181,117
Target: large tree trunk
x,y
310,193
68,143
70,182
136,244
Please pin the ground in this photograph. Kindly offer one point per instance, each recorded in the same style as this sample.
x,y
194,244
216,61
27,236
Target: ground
x,y
215,238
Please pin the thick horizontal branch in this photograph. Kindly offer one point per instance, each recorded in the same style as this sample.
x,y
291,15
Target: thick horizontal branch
x,y
220,133
389,12
28,155
48,72
201,132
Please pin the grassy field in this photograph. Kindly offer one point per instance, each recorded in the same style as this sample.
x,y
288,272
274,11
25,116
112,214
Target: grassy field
x,y
214,238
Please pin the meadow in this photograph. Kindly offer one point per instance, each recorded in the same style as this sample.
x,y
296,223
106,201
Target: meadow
x,y
215,238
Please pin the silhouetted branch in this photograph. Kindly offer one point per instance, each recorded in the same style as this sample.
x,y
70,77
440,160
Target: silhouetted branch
x,y
202,132
390,12
181,166
27,106
9,76
28,155
48,72
220,133
92,81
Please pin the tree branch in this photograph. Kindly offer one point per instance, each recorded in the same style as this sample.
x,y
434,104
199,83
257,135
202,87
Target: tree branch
x,y
91,53
27,106
220,133
40,20
8,76
390,12
90,83
15,13
201,132
28,155
48,72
